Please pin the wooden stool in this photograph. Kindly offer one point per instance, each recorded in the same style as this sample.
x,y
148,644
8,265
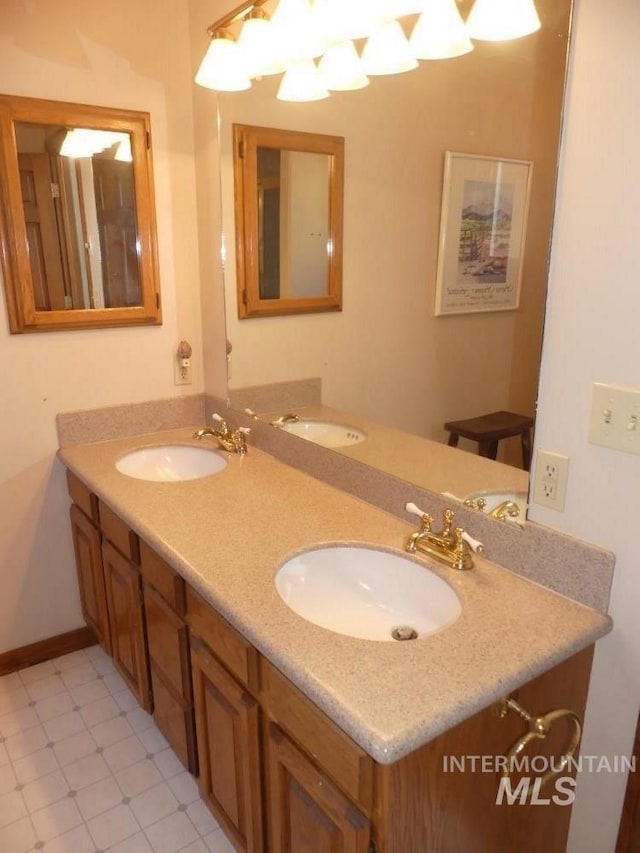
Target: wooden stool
x,y
487,430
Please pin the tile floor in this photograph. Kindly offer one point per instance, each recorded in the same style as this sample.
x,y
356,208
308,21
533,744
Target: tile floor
x,y
83,769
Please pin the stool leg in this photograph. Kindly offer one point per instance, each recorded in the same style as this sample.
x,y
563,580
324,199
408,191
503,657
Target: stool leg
x,y
453,439
526,450
487,448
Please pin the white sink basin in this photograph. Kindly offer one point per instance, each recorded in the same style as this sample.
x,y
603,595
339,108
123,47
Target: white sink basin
x,y
171,463
366,593
325,433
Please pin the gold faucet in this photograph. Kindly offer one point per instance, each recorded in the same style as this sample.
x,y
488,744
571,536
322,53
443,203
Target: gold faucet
x,y
452,545
233,441
289,418
504,510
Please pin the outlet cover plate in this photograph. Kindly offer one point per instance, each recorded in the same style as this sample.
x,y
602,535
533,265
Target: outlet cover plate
x,y
550,480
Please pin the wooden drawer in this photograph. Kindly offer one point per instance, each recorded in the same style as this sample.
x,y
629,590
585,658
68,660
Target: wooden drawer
x,y
117,532
82,496
168,643
347,764
236,653
176,721
161,576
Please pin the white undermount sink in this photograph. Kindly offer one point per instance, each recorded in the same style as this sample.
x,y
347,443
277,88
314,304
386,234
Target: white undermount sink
x,y
325,433
366,593
171,463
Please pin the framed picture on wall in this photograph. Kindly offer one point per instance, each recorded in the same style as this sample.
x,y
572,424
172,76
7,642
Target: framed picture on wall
x,y
483,224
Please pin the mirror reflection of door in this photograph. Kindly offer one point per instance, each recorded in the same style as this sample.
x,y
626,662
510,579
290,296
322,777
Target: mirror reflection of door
x,y
293,223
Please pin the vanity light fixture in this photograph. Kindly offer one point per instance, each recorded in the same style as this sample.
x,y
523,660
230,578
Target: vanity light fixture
x,y
288,36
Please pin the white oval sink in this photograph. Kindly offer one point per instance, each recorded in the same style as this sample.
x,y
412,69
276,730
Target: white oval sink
x,y
325,433
171,463
366,593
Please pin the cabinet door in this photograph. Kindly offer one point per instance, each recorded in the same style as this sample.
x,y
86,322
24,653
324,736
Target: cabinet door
x,y
227,726
126,620
86,544
307,813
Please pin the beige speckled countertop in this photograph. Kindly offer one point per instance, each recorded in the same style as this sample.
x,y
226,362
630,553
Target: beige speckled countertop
x,y
228,534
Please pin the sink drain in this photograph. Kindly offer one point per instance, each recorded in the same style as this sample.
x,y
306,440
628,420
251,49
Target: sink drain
x,y
404,632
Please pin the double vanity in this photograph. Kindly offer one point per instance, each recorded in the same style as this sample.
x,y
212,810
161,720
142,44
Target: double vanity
x,y
268,620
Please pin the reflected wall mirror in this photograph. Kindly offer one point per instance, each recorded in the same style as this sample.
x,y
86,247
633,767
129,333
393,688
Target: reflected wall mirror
x,y
77,216
385,358
288,220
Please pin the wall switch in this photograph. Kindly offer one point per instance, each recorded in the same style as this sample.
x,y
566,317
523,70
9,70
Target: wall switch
x,y
615,418
181,371
550,481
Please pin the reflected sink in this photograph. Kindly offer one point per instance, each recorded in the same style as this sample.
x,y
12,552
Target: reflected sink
x,y
325,433
366,593
171,463
499,496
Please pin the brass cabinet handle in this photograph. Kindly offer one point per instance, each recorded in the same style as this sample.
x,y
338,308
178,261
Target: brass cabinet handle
x,y
539,728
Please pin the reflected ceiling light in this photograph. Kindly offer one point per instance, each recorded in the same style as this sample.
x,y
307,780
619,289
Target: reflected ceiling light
x,y
499,20
440,32
123,152
341,68
387,51
302,82
222,68
85,142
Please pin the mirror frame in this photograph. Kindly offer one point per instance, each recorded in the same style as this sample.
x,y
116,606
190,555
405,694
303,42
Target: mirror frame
x,y
246,141
16,268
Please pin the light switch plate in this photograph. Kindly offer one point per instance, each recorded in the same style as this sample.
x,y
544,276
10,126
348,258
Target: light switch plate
x,y
615,418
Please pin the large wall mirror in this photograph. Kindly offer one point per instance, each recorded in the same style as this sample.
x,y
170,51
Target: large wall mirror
x,y
77,217
288,220
386,358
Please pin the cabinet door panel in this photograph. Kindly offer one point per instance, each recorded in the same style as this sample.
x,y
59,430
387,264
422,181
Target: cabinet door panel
x,y
86,544
126,620
168,642
307,813
175,720
227,724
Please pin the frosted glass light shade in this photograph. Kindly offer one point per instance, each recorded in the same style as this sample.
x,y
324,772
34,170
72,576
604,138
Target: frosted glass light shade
x,y
440,32
85,142
388,9
123,151
256,45
302,82
295,34
500,20
387,51
222,68
341,68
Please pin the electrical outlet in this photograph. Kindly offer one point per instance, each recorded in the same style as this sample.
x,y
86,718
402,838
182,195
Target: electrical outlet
x,y
550,481
181,372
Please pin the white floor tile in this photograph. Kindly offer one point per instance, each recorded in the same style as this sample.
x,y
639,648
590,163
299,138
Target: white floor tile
x,y
136,844
139,720
111,731
24,743
217,842
78,675
12,807
197,847
54,706
138,778
34,673
100,711
64,726
76,840
124,753
172,833
84,694
8,780
71,660
13,700
153,741
4,756
114,683
113,826
45,791
45,688
202,818
168,763
34,766
18,720
153,804
56,819
72,748
99,797
126,700
18,837
10,682
184,787
92,768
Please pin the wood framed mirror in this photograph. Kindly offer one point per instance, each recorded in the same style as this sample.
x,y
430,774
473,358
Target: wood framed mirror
x,y
288,213
77,216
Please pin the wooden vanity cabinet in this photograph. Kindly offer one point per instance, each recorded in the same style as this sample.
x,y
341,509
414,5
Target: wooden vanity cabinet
x,y
86,544
224,667
168,648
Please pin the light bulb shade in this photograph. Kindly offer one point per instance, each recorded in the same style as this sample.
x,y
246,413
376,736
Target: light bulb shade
x,y
257,47
341,68
123,152
387,51
500,20
387,10
222,68
344,20
295,35
85,142
440,32
302,82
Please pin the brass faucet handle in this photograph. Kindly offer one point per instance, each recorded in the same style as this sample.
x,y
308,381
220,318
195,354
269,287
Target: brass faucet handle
x,y
461,552
447,518
481,504
427,521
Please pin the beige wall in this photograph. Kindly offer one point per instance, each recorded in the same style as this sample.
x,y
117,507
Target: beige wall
x,y
386,356
133,55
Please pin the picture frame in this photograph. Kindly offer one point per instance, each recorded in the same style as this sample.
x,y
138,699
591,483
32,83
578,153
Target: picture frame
x,y
483,222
